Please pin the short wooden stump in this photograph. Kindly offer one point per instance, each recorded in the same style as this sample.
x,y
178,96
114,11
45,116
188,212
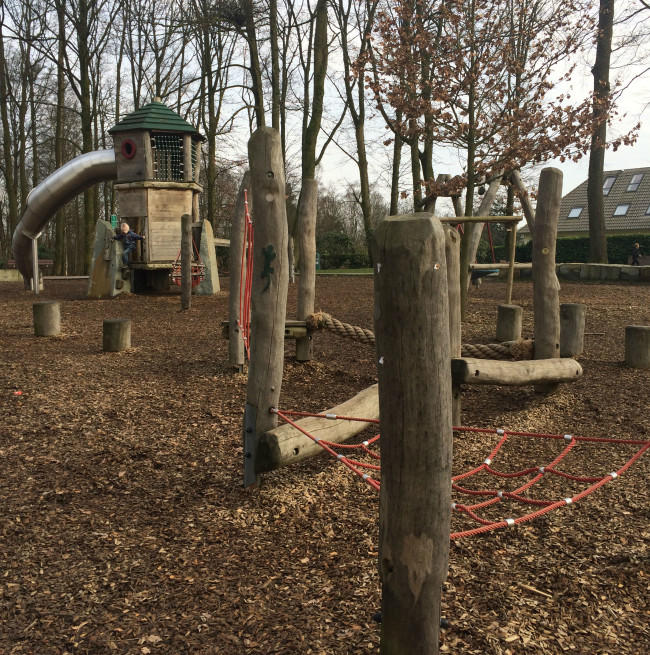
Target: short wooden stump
x,y
509,322
47,318
117,334
572,329
637,346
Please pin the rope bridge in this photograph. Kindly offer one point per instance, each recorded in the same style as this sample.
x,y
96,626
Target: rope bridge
x,y
367,466
517,350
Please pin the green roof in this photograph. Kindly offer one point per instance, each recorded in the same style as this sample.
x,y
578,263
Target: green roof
x,y
154,116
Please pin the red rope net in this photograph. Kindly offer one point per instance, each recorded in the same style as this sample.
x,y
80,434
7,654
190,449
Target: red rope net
x,y
513,486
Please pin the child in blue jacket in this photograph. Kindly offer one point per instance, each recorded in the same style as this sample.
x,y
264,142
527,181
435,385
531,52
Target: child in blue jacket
x,y
129,239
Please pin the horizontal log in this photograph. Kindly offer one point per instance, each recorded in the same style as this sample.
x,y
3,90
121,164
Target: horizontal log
x,y
292,329
286,445
466,370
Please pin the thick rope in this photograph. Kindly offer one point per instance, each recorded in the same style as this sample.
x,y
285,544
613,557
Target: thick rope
x,y
518,350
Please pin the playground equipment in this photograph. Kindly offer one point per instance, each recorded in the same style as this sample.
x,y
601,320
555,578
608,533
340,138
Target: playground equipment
x,y
416,338
155,164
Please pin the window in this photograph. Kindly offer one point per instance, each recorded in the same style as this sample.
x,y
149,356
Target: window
x,y
647,211
621,210
635,182
575,212
608,184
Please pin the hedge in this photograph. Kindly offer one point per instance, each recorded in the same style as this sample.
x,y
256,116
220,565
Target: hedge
x,y
576,249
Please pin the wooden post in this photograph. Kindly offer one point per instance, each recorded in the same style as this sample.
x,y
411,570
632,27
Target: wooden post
x,y
452,257
413,364
307,250
268,294
511,261
546,288
47,318
116,335
572,329
186,261
508,323
637,346
36,281
237,275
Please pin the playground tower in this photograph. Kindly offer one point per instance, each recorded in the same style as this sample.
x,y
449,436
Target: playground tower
x,y
158,158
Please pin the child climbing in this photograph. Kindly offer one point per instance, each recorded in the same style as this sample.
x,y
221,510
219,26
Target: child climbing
x,y
128,238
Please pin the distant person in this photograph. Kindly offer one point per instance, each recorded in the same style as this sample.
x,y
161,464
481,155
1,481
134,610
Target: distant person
x,y
129,239
636,255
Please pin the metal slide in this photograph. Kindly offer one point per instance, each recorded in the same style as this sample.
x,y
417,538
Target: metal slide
x,y
53,193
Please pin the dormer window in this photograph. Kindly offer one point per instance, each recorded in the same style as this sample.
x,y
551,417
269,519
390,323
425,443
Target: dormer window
x,y
608,184
621,210
575,212
635,182
647,211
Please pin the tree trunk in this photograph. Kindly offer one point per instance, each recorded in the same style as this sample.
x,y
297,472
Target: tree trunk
x,y
600,71
59,145
10,186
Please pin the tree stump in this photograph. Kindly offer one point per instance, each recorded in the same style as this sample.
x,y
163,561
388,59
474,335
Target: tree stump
x,y
117,335
637,346
509,322
47,318
572,329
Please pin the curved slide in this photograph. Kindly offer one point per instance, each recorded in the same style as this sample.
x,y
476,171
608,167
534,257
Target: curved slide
x,y
53,193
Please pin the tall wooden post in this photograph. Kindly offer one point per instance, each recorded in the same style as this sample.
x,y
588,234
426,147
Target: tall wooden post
x,y
36,282
512,233
413,363
186,261
237,275
546,288
268,293
452,257
307,249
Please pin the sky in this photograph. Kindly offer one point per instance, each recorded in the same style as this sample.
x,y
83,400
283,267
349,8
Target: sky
x,y
630,65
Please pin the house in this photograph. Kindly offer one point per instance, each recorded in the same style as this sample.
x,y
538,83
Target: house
x,y
627,205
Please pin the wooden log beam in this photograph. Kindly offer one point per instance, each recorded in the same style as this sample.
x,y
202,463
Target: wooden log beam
x,y
286,445
292,330
468,370
413,353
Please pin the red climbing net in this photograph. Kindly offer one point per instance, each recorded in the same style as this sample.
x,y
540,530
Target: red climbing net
x,y
246,278
366,465
197,268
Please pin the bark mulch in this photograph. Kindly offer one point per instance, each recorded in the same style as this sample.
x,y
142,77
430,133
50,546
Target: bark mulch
x,y
124,527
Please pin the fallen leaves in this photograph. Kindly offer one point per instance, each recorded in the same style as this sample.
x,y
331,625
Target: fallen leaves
x,y
125,529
